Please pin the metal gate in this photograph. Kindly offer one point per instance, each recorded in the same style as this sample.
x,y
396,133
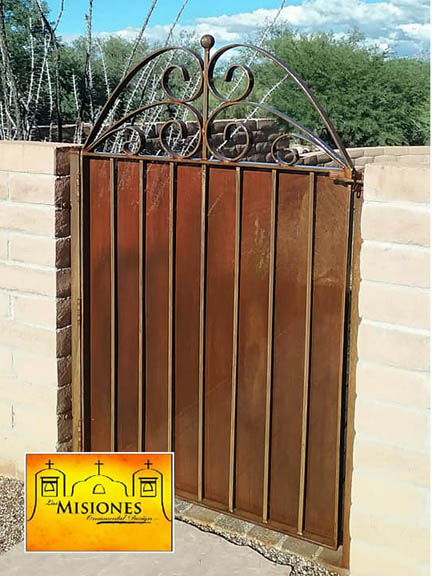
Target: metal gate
x,y
212,302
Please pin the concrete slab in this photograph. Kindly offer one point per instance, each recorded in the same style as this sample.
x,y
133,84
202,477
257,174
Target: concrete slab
x,y
197,554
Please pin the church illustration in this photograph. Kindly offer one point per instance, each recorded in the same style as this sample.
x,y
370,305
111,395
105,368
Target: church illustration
x,y
51,483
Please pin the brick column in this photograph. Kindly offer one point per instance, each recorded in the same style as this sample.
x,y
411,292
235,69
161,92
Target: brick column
x,y
389,521
35,332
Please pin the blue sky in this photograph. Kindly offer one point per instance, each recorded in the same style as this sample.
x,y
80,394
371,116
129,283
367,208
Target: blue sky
x,y
401,25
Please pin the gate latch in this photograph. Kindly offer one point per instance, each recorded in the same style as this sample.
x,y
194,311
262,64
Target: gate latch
x,y
356,183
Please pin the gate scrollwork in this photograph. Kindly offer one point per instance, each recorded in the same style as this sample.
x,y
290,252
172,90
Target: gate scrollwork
x,y
134,134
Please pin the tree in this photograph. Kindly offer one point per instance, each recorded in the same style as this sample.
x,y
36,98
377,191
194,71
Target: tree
x,y
23,55
372,99
108,60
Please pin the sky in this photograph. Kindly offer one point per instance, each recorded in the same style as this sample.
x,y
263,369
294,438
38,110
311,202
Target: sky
x,y
401,26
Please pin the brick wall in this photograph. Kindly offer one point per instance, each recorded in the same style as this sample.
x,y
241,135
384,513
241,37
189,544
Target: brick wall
x,y
35,361
390,483
389,519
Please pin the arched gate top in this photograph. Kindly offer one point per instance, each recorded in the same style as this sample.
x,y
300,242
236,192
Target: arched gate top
x,y
130,134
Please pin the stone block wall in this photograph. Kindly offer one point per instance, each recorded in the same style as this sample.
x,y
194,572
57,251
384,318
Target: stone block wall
x,y
389,520
263,132
390,482
35,332
361,157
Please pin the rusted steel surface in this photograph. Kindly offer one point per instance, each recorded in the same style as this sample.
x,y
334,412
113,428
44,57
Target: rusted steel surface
x,y
219,332
186,332
128,308
156,310
265,272
214,308
252,340
328,310
100,304
289,346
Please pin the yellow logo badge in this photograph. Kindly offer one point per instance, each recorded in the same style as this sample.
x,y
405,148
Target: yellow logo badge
x,y
99,502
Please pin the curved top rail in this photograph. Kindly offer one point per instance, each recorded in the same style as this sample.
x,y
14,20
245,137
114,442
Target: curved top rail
x,y
205,85
299,81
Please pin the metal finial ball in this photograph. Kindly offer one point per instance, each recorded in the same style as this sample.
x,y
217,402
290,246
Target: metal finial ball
x,y
207,41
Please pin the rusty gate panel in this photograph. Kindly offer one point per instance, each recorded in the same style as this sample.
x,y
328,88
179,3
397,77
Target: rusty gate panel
x,y
188,194
253,340
158,254
328,310
127,186
100,299
221,305
213,305
294,231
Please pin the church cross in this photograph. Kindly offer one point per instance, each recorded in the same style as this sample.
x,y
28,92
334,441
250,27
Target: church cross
x,y
148,464
49,464
99,464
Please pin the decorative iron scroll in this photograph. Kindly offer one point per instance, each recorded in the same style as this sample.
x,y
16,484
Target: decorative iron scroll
x,y
131,137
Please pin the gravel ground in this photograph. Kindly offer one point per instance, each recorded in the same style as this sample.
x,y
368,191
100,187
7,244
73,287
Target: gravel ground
x,y
11,513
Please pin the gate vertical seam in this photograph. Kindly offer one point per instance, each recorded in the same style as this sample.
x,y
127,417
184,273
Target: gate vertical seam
x,y
306,378
268,401
237,235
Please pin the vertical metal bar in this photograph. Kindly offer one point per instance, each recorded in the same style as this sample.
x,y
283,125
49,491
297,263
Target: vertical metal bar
x,y
270,345
113,247
344,364
76,298
83,188
235,338
171,303
311,219
202,331
140,307
207,43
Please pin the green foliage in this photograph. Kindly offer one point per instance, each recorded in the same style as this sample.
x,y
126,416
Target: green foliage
x,y
372,99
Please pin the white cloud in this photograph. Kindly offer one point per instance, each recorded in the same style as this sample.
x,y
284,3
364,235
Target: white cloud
x,y
400,25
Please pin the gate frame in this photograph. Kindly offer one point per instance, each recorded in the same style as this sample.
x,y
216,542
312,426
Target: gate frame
x,y
348,177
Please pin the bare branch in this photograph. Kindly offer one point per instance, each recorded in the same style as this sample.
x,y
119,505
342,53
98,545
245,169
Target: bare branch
x,y
76,100
51,100
139,38
47,42
32,64
51,32
102,54
59,15
174,24
88,82
10,76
